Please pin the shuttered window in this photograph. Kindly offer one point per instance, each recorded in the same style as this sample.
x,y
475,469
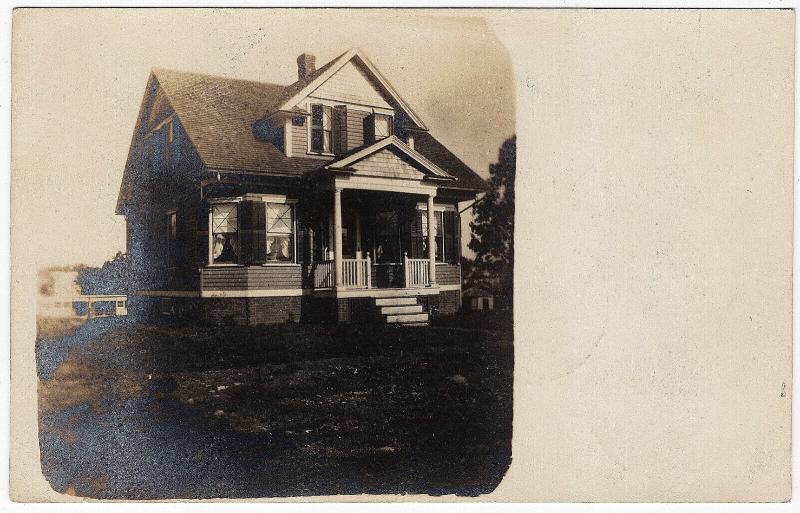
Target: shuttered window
x,y
321,128
447,235
377,127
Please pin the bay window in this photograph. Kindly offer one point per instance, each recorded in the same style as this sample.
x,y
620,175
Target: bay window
x,y
252,233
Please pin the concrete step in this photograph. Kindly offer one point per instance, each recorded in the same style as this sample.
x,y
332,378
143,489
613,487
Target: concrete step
x,y
395,301
414,324
390,310
406,318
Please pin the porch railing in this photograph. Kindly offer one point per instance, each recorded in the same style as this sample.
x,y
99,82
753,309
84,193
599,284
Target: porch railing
x,y
417,271
325,274
357,272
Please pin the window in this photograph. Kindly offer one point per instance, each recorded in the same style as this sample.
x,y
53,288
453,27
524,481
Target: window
x,y
438,234
377,127
172,237
321,129
280,232
446,236
383,126
225,233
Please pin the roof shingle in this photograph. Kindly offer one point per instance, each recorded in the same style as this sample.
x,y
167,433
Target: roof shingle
x,y
218,114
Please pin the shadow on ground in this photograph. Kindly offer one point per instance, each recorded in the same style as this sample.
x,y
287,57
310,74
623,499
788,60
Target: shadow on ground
x,y
131,411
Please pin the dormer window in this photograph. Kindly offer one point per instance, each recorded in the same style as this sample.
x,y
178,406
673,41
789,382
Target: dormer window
x,y
376,127
321,129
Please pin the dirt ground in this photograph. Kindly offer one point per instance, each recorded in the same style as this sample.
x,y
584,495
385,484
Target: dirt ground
x,y
153,411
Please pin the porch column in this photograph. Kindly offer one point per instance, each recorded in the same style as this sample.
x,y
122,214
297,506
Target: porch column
x,y
431,241
337,234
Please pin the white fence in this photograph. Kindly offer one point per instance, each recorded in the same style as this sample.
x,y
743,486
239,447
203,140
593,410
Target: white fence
x,y
417,271
325,274
356,272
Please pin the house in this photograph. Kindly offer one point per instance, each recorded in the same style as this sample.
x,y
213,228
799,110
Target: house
x,y
250,203
477,297
60,296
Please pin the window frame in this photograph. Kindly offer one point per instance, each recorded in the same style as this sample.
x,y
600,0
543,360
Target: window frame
x,y
312,127
212,204
389,123
438,210
172,237
292,204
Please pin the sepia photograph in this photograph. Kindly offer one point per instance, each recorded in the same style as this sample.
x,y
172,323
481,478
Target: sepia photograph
x,y
307,284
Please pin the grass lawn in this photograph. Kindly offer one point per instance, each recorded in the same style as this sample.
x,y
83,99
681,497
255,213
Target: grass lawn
x,y
153,411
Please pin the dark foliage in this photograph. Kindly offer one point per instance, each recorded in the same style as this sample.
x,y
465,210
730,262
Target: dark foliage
x,y
493,226
115,277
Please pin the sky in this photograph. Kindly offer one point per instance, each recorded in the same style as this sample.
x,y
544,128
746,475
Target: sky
x,y
78,78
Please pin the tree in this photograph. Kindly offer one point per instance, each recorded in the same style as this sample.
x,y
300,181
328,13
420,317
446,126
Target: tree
x,y
493,224
115,277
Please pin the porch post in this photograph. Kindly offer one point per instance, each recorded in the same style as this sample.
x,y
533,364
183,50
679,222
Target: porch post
x,y
337,234
431,241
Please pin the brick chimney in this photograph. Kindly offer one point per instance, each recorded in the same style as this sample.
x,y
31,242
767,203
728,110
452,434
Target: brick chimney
x,y
306,65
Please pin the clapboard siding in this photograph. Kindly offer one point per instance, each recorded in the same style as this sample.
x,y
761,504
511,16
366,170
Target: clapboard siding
x,y
448,274
351,85
254,277
386,164
300,139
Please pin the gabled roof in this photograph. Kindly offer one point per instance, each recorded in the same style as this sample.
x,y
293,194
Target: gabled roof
x,y
357,154
218,114
302,88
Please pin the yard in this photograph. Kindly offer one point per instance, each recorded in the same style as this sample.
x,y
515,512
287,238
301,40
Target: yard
x,y
154,411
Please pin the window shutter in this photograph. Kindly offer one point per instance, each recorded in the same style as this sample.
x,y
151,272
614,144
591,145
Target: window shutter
x,y
300,252
451,236
201,239
340,129
417,237
369,129
252,230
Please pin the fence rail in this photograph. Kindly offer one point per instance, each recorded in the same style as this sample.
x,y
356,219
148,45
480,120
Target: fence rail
x,y
357,272
324,274
417,271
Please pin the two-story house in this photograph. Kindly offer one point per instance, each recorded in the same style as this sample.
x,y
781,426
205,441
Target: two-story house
x,y
325,200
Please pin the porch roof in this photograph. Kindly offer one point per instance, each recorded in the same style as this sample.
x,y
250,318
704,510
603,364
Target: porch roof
x,y
428,169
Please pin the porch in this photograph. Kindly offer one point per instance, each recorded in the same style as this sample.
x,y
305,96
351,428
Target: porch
x,y
377,242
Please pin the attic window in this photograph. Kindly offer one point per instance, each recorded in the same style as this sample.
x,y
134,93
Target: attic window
x,y
383,126
377,127
321,129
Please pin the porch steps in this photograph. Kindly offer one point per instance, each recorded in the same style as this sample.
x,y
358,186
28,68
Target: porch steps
x,y
393,310
395,301
402,311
